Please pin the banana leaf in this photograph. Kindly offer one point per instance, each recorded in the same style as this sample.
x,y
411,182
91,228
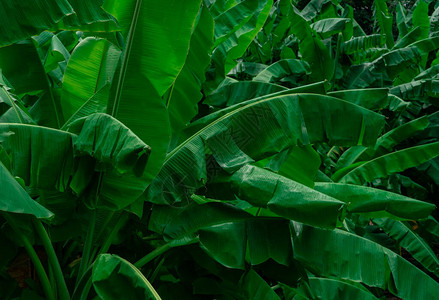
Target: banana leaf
x,y
240,91
164,28
68,163
348,256
412,242
285,197
91,66
385,165
384,20
186,90
361,199
26,18
425,90
257,288
384,144
242,133
330,26
312,49
115,278
235,29
284,68
14,199
88,16
373,99
328,288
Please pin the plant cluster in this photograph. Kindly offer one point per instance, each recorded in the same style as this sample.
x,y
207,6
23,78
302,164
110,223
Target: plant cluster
x,y
218,149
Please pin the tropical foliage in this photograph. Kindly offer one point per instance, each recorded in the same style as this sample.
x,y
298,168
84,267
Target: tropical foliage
x,y
218,149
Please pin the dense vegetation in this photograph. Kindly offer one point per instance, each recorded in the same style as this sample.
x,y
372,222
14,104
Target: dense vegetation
x,y
219,149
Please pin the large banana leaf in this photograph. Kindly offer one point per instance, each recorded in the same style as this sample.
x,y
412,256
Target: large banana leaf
x,y
426,90
373,99
240,91
47,159
361,199
384,20
186,91
312,48
330,26
387,164
257,129
164,28
293,68
410,241
384,144
14,199
285,197
91,66
329,288
235,29
22,19
348,256
115,278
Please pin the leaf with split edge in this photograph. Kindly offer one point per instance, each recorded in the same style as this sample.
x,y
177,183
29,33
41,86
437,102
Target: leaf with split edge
x,y
387,164
361,199
347,256
114,278
14,199
233,133
231,44
412,242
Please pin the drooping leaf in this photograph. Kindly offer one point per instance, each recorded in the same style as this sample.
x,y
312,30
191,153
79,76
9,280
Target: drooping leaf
x,y
115,278
387,164
186,91
284,69
14,199
285,197
410,241
361,199
348,256
244,132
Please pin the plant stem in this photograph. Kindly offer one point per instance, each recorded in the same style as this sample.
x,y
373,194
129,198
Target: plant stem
x,y
115,230
42,275
151,255
87,247
53,260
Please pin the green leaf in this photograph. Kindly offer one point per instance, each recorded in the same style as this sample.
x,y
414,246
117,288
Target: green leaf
x,y
312,49
244,132
410,241
164,28
33,17
337,253
91,66
285,197
14,199
384,20
387,164
258,288
235,29
284,70
361,199
115,278
330,26
186,91
373,99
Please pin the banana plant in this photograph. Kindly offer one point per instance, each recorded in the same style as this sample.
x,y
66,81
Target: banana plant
x,y
218,149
